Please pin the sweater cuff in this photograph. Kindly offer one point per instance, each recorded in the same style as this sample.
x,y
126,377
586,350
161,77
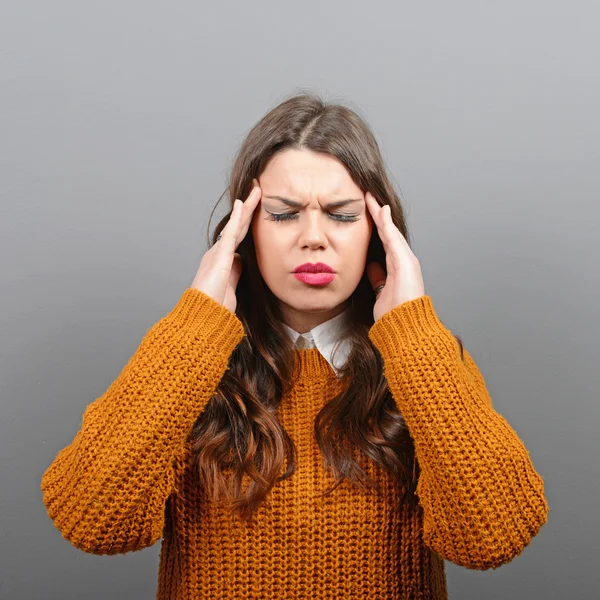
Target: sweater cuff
x,y
406,325
198,313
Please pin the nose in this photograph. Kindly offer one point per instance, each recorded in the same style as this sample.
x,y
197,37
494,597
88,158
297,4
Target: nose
x,y
313,231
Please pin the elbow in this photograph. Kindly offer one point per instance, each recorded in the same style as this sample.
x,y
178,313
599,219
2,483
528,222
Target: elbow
x,y
481,557
111,539
110,543
103,529
487,548
106,536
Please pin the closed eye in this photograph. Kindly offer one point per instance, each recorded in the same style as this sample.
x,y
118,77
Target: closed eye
x,y
293,216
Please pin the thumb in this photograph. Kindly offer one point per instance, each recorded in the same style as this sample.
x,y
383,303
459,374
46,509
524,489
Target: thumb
x,y
375,274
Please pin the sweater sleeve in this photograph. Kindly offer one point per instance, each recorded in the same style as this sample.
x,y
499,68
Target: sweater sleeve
x,y
482,499
106,491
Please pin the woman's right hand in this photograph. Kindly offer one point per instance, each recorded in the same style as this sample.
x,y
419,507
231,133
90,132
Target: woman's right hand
x,y
221,266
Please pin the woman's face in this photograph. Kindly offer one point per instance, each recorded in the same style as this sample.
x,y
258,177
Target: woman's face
x,y
313,231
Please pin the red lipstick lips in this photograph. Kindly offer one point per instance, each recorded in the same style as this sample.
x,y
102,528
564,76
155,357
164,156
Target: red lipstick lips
x,y
314,273
314,268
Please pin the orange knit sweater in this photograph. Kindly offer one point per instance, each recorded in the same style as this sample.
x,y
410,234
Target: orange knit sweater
x,y
125,480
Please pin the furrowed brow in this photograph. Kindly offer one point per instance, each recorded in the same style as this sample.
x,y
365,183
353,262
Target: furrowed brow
x,y
294,204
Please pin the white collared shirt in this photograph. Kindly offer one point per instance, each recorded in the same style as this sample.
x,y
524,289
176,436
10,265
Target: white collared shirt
x,y
325,337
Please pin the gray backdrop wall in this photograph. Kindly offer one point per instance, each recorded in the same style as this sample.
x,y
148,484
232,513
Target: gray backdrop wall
x,y
119,124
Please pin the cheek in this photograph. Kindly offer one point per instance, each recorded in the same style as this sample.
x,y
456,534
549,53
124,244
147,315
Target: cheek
x,y
270,236
266,247
354,250
357,240
259,232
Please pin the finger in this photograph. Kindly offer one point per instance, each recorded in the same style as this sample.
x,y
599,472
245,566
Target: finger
x,y
249,206
389,228
228,242
393,231
389,234
374,208
239,220
377,213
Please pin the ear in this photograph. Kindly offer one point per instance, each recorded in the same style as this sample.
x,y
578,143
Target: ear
x,y
375,274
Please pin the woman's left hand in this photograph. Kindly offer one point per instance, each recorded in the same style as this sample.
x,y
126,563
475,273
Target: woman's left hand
x,y
404,281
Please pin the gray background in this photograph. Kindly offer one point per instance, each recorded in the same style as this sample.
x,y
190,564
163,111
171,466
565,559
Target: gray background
x,y
119,123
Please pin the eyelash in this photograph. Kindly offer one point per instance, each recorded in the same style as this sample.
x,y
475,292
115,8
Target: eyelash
x,y
290,216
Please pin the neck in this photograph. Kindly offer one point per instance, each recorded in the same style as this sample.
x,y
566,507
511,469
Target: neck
x,y
302,321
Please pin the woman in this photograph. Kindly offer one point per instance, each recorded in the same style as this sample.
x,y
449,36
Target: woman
x,y
301,424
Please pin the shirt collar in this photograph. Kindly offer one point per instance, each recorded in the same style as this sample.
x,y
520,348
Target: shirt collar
x,y
325,337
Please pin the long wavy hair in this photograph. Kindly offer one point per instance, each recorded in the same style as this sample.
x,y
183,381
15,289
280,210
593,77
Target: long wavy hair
x,y
238,436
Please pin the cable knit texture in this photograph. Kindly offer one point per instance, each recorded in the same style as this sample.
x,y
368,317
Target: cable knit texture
x,y
126,479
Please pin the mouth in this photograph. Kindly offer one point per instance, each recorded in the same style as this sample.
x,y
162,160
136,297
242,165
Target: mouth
x,y
314,268
318,278
318,274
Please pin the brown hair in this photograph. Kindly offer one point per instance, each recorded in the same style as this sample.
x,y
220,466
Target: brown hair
x,y
238,435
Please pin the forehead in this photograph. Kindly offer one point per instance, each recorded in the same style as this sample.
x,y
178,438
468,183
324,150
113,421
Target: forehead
x,y
306,173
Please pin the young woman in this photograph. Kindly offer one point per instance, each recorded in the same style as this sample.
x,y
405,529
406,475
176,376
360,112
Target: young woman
x,y
301,424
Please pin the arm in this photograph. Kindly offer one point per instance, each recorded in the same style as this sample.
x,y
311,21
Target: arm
x,y
482,499
106,491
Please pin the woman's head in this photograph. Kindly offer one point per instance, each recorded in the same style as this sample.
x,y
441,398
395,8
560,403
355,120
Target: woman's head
x,y
301,219
313,153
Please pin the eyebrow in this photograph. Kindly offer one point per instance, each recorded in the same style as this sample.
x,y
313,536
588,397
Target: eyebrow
x,y
295,204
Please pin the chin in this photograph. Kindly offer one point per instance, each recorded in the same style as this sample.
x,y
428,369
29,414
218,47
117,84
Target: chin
x,y
313,305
